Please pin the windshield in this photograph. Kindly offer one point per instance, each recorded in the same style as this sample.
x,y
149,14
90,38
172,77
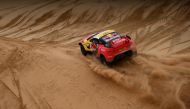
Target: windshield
x,y
111,36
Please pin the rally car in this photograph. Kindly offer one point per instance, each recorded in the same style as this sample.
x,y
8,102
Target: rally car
x,y
108,46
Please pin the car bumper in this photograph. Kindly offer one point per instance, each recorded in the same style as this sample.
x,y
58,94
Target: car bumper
x,y
117,56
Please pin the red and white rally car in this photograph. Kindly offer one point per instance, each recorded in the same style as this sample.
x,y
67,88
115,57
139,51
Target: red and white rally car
x,y
108,45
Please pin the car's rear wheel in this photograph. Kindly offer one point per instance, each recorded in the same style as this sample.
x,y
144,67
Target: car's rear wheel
x,y
129,53
83,51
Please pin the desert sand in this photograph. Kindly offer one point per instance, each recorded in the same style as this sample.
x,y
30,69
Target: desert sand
x,y
41,66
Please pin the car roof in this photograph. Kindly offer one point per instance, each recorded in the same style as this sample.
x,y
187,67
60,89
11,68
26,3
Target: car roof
x,y
101,34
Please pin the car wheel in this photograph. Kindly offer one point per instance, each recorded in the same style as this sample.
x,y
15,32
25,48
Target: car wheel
x,y
83,51
129,53
104,61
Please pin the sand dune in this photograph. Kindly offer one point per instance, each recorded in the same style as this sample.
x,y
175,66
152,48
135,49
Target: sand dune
x,y
41,66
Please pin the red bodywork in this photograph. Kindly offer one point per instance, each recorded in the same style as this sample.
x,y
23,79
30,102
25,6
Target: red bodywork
x,y
110,45
118,47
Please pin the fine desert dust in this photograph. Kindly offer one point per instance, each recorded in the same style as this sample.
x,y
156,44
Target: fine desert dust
x,y
41,66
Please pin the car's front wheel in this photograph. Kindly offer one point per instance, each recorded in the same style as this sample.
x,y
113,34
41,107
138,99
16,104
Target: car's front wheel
x,y
104,61
83,51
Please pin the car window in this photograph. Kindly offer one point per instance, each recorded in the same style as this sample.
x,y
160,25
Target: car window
x,y
94,40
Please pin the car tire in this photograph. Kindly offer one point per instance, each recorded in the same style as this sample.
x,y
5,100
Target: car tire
x,y
83,51
129,53
104,61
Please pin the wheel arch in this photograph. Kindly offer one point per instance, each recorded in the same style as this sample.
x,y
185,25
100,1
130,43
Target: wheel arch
x,y
102,55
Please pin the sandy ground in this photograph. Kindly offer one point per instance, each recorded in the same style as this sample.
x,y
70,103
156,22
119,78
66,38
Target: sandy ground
x,y
41,66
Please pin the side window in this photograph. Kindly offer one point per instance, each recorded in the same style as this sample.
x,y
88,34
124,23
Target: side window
x,y
101,41
94,40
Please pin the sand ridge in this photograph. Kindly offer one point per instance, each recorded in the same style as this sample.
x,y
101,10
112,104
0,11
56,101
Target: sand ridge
x,y
41,66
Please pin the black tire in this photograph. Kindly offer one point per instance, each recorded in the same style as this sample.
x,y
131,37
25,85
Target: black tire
x,y
104,61
83,51
129,53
